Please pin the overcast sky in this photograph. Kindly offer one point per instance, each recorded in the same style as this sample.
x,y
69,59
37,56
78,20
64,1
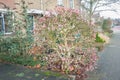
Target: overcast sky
x,y
111,14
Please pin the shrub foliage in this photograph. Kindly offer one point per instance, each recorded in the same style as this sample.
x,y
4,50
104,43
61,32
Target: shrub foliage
x,y
64,40
70,41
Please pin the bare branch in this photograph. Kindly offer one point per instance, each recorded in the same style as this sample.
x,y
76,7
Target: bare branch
x,y
106,10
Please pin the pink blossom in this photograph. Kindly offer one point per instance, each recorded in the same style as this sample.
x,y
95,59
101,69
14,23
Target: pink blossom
x,y
42,19
48,14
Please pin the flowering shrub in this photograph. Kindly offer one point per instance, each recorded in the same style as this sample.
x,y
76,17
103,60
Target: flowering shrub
x,y
69,41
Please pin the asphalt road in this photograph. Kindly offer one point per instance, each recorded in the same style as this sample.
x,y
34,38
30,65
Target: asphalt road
x,y
109,62
17,72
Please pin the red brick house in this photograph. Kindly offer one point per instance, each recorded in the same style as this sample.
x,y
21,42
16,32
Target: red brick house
x,y
34,7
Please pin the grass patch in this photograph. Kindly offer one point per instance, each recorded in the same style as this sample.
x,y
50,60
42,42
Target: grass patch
x,y
50,73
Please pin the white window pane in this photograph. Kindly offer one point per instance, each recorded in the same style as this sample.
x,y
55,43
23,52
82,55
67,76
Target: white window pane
x,y
60,2
71,4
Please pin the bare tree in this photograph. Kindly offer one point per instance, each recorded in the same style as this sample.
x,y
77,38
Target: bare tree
x,y
92,6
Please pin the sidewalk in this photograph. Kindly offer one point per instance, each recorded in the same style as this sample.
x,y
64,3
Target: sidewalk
x,y
17,72
109,62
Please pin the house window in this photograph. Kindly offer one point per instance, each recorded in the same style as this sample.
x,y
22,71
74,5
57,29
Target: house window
x,y
6,23
30,23
60,2
1,24
71,4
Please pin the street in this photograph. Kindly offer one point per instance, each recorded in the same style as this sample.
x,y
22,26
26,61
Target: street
x,y
18,72
109,62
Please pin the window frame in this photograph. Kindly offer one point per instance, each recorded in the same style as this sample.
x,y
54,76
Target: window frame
x,y
2,16
2,23
72,4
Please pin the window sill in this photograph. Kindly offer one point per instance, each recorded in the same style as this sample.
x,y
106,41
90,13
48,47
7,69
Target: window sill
x,y
60,5
9,34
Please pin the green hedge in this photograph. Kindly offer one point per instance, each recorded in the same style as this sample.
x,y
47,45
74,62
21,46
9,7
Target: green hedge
x,y
14,45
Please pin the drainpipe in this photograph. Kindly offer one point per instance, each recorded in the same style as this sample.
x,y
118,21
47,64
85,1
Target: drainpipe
x,y
41,4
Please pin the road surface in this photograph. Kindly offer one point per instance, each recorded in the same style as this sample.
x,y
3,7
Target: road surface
x,y
109,62
17,72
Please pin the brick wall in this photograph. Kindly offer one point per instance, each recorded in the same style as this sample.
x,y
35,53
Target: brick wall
x,y
48,4
39,4
8,3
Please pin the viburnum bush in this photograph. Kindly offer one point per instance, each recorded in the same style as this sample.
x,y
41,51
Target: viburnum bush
x,y
68,41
